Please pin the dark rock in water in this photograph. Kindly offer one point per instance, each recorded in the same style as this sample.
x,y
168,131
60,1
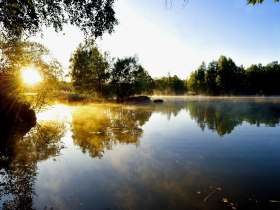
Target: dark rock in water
x,y
158,101
75,97
16,118
138,100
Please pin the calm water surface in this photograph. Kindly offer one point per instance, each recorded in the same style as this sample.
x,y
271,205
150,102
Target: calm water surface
x,y
182,154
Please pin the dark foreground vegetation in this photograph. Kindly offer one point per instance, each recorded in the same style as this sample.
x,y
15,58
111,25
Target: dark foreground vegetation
x,y
16,118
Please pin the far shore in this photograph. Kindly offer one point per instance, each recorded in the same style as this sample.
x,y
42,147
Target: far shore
x,y
204,97
81,99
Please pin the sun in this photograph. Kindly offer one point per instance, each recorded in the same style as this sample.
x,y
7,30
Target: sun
x,y
31,76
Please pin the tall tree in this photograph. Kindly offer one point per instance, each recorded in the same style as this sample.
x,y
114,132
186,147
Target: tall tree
x,y
193,83
27,17
227,75
271,77
210,78
177,85
254,79
196,82
145,82
89,69
126,77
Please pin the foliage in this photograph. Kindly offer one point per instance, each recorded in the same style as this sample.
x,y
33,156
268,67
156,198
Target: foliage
x,y
257,1
27,17
15,56
145,82
92,72
228,76
196,82
89,69
18,55
129,78
223,77
170,85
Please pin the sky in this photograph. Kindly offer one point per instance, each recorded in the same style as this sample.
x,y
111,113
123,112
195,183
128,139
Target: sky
x,y
177,38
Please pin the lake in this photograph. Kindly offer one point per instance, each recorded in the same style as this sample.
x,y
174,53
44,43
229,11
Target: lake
x,y
187,153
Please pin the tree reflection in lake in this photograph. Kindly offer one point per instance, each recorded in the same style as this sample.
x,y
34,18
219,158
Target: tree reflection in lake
x,y
97,128
222,116
170,170
19,164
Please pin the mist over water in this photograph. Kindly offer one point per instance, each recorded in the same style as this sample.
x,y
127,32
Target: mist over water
x,y
187,153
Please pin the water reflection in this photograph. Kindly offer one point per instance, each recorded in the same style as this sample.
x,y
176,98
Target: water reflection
x,y
162,169
19,163
97,128
223,116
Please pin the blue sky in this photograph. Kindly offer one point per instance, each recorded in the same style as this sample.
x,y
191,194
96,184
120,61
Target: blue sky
x,y
178,39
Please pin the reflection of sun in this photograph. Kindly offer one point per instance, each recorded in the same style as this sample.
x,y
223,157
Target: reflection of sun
x,y
31,76
58,112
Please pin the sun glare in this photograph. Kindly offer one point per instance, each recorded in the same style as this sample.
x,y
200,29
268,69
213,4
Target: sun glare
x,y
31,76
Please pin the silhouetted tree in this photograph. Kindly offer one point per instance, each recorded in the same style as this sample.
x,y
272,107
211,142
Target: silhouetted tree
x,y
89,69
257,1
19,18
254,76
127,78
227,75
210,78
17,55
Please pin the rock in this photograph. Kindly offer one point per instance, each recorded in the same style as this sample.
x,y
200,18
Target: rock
x,y
138,100
16,118
158,101
75,97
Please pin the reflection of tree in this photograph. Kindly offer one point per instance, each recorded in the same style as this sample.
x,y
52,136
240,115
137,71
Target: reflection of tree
x,y
19,164
98,128
224,116
170,108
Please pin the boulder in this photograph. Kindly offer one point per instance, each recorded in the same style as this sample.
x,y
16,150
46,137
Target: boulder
x,y
138,100
158,101
16,118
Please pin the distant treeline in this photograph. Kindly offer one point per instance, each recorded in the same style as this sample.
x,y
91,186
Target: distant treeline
x,y
96,73
170,85
223,77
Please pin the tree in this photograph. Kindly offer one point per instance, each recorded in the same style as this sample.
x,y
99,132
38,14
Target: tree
x,y
17,55
257,1
145,82
196,82
162,86
270,80
210,78
227,75
254,75
127,78
177,85
170,85
193,83
89,69
27,17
